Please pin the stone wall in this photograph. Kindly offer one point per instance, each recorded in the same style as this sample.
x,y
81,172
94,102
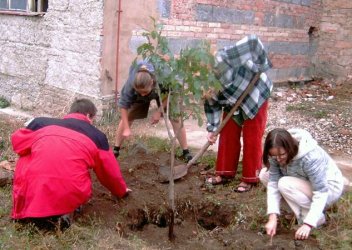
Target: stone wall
x,y
334,55
282,25
46,61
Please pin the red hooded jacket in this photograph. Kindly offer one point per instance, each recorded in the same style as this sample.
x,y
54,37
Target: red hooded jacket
x,y
52,174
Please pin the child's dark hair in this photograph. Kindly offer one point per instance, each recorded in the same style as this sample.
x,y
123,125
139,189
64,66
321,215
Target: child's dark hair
x,y
142,79
83,106
279,138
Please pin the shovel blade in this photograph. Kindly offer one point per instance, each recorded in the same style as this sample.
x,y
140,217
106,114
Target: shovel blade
x,y
179,172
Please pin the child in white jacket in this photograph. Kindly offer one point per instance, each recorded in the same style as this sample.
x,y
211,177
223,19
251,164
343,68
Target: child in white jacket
x,y
301,172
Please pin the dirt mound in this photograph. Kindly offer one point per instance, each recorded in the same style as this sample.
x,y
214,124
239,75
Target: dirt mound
x,y
204,218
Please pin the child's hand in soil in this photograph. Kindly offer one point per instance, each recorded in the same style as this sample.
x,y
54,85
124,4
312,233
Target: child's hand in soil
x,y
271,225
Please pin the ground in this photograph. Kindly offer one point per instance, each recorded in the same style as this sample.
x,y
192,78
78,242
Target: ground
x,y
215,217
206,216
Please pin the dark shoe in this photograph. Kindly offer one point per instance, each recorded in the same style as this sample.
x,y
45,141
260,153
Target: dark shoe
x,y
116,151
217,180
65,221
186,155
78,210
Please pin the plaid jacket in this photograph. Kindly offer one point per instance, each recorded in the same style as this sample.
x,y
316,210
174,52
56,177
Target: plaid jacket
x,y
235,66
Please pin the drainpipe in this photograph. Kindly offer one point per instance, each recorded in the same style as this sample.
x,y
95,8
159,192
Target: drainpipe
x,y
119,11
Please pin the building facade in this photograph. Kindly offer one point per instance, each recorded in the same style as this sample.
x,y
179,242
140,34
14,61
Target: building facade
x,y
54,51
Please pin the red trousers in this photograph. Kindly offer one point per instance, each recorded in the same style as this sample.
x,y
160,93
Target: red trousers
x,y
230,147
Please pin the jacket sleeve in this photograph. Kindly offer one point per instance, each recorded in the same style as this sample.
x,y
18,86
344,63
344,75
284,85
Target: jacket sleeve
x,y
213,111
109,174
273,194
22,141
127,96
316,171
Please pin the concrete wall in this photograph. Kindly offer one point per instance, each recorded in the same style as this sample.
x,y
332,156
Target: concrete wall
x,y
334,55
45,62
135,18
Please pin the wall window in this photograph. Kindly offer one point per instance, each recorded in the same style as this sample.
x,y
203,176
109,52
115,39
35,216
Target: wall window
x,y
24,5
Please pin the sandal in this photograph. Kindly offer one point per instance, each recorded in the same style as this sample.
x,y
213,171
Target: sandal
x,y
243,187
217,180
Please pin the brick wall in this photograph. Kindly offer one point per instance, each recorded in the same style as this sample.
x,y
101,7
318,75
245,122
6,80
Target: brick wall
x,y
334,56
47,61
282,25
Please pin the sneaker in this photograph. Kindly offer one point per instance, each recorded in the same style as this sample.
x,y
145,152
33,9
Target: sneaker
x,y
186,155
65,221
116,151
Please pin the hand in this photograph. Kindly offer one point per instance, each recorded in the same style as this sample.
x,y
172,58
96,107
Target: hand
x,y
166,57
212,138
271,225
303,232
155,117
128,191
126,132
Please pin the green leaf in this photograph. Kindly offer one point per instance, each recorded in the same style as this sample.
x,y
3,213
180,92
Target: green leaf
x,y
154,34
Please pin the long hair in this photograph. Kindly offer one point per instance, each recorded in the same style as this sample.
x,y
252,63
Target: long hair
x,y
280,138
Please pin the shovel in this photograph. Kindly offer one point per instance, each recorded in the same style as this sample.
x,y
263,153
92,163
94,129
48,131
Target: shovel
x,y
182,170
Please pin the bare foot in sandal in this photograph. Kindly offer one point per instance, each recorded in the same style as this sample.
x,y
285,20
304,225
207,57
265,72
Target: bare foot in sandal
x,y
243,187
217,180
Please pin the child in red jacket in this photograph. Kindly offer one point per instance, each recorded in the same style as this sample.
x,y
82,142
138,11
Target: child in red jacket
x,y
52,174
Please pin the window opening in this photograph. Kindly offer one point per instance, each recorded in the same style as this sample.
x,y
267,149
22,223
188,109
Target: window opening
x,y
24,5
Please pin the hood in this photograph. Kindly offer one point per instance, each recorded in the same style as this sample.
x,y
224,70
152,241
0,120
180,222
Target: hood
x,y
306,142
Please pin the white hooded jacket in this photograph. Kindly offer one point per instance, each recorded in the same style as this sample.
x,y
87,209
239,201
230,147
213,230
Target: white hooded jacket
x,y
312,164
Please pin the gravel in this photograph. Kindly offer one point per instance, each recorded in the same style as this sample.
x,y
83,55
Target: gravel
x,y
322,108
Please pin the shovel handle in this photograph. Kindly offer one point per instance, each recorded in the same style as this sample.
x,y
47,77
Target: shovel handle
x,y
248,89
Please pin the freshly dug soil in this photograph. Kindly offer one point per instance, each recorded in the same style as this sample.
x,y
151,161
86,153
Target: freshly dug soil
x,y
206,217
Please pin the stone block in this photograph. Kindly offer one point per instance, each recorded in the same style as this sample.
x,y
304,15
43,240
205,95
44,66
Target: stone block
x,y
284,21
292,48
176,44
211,13
164,7
135,42
306,2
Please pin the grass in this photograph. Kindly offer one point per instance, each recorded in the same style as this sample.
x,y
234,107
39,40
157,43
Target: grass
x,y
298,107
4,103
337,233
155,144
86,233
6,129
308,110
